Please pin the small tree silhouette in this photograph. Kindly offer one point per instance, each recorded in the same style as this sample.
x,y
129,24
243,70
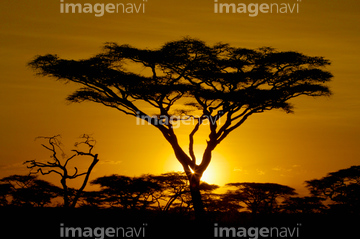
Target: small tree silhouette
x,y
28,190
259,197
59,166
5,192
176,193
168,191
341,187
188,79
127,192
303,205
174,187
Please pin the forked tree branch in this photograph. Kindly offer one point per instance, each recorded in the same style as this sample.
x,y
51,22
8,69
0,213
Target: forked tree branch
x,y
61,169
191,140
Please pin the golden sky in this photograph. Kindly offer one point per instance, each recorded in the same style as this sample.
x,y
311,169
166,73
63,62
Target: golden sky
x,y
322,136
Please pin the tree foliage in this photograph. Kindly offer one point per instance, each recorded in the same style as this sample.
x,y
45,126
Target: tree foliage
x,y
341,187
127,192
304,205
168,191
27,190
259,197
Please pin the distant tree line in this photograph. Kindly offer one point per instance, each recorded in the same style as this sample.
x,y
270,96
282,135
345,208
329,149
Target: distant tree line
x,y
337,192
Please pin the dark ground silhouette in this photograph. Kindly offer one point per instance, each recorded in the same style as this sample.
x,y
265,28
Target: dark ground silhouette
x,y
45,222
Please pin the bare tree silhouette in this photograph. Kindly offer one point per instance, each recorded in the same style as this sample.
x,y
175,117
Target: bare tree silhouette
x,y
188,77
60,168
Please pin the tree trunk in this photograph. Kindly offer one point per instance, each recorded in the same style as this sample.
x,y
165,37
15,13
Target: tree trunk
x,y
81,189
196,196
194,177
65,192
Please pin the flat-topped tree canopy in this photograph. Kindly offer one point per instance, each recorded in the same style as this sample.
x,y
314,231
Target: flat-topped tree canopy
x,y
219,81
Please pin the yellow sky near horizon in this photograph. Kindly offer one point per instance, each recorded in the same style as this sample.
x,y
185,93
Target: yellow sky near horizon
x,y
322,135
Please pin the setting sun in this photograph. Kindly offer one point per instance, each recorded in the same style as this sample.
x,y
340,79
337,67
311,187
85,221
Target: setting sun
x,y
217,172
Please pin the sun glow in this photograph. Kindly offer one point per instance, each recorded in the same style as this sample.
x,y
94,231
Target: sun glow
x,y
216,173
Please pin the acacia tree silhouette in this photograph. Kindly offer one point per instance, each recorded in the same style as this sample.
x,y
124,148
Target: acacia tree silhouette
x,y
175,186
217,81
258,197
341,187
27,190
128,192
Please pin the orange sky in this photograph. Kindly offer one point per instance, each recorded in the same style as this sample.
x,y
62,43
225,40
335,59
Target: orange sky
x,y
322,135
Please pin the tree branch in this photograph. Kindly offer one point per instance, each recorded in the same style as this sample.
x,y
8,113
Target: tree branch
x,y
191,141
